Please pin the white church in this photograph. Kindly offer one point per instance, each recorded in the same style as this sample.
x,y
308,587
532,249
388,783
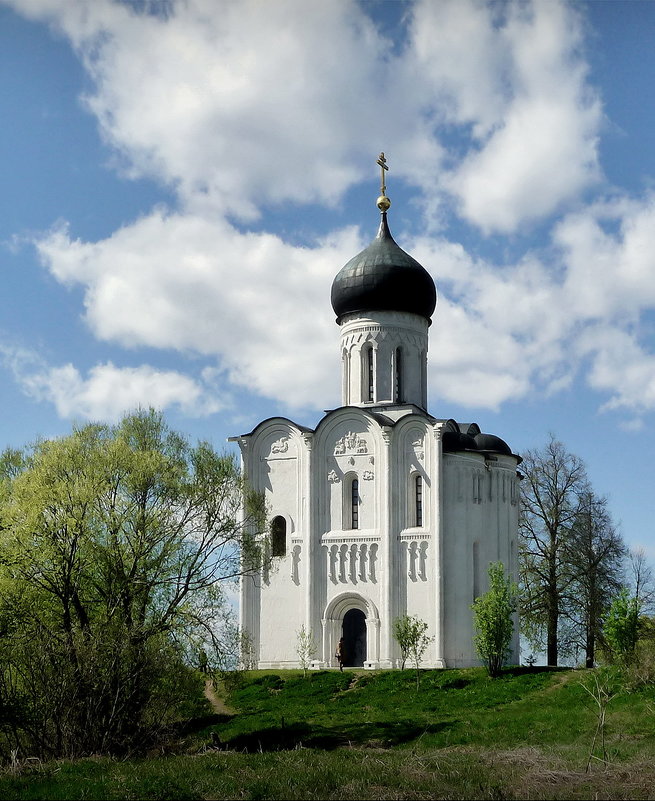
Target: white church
x,y
382,510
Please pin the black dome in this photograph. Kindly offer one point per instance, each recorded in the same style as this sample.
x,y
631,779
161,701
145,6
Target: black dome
x,y
383,278
490,442
468,437
453,441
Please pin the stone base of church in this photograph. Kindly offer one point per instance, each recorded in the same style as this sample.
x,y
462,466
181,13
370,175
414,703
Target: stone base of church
x,y
380,664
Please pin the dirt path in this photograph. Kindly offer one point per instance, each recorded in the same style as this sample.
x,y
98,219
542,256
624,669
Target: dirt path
x,y
218,705
561,679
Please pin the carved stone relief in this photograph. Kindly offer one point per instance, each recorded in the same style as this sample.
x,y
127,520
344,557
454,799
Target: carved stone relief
x,y
417,447
281,445
350,443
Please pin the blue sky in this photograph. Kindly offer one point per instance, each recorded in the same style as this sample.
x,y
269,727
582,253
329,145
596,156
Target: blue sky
x,y
181,181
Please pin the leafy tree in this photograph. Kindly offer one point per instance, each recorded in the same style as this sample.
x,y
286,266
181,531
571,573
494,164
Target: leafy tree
x,y
305,647
411,635
595,552
493,613
622,627
114,547
554,483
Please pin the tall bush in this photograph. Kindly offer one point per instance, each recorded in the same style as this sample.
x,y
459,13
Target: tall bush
x,y
493,614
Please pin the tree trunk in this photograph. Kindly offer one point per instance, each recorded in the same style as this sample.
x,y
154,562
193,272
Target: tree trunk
x,y
590,648
590,639
552,606
551,641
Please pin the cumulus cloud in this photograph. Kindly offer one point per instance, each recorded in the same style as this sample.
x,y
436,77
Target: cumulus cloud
x,y
520,87
609,250
257,305
109,391
237,106
623,368
271,103
582,306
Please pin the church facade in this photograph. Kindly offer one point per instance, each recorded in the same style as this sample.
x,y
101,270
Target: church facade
x,y
382,510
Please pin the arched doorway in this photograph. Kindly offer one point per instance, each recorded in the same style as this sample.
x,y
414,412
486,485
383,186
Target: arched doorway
x,y
362,630
354,636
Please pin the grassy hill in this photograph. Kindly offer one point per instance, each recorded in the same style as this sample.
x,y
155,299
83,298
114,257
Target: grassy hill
x,y
371,735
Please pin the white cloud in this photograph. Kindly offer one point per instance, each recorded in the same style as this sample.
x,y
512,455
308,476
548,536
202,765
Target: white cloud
x,y
270,102
585,306
621,367
109,391
258,305
264,103
235,105
609,249
513,74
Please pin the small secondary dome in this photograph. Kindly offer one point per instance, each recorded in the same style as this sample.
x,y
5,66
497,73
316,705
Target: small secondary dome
x,y
383,278
468,437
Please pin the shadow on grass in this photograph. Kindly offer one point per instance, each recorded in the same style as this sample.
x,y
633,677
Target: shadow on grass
x,y
295,735
194,725
524,670
455,684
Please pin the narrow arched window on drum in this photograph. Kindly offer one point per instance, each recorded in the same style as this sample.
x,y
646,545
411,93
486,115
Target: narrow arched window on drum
x,y
278,536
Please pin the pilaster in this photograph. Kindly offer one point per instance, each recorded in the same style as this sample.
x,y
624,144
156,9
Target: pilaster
x,y
437,506
387,537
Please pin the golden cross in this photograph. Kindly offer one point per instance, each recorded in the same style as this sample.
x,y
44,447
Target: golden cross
x,y
383,166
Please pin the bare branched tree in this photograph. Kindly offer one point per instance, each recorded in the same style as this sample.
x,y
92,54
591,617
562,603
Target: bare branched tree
x,y
595,552
641,580
555,482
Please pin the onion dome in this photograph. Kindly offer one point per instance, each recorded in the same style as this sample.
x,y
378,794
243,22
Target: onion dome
x,y
490,443
457,437
383,277
454,441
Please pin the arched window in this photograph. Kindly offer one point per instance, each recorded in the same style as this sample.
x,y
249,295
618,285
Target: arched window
x,y
369,374
354,503
278,536
345,383
424,379
476,570
418,501
398,376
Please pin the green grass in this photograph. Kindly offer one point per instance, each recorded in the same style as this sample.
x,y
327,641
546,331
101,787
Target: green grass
x,y
463,707
372,735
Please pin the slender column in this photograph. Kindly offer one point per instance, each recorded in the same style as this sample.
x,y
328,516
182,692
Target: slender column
x,y
437,512
388,550
250,584
307,521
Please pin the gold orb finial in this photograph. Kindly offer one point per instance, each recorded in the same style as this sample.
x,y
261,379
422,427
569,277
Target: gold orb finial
x,y
383,201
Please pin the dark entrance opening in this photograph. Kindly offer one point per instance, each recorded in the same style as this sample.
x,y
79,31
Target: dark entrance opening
x,y
354,637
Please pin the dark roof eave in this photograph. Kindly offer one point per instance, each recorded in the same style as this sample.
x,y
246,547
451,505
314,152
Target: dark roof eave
x,y
340,317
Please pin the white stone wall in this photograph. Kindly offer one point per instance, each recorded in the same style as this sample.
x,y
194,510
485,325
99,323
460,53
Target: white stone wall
x,y
388,566
273,608
480,507
348,444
